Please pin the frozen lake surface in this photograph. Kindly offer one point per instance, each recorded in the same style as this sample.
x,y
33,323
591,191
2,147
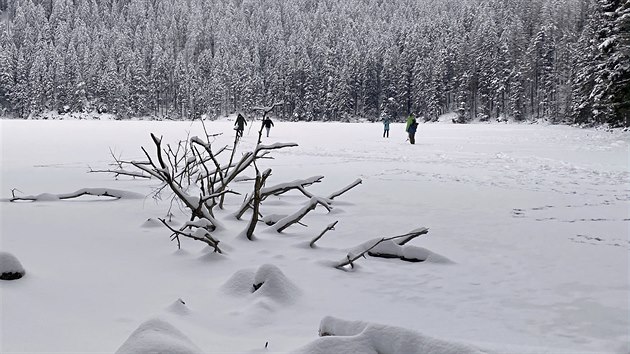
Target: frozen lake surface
x,y
534,220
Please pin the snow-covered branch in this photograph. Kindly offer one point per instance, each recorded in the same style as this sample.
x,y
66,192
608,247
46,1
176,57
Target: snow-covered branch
x,y
328,228
371,245
284,223
199,234
282,188
345,189
96,192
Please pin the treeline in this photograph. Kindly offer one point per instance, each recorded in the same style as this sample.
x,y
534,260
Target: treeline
x,y
563,60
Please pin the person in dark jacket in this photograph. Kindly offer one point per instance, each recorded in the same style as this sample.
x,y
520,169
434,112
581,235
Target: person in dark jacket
x,y
386,122
412,131
240,125
267,123
410,120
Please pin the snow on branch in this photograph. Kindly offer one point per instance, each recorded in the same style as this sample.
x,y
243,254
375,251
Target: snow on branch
x,y
285,222
268,109
278,190
199,234
345,189
282,188
275,146
328,228
386,248
96,192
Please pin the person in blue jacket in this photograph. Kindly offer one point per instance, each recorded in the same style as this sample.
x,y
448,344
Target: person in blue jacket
x,y
386,122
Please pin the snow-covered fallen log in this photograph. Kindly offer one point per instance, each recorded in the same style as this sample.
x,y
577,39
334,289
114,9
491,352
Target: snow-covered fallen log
x,y
392,247
96,192
342,336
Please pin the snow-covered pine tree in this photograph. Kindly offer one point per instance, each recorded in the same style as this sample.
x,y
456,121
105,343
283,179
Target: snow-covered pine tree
x,y
611,92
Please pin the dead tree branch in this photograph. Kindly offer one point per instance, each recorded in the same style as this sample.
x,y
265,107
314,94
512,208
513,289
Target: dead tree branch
x,y
121,172
328,228
345,189
282,224
96,192
200,234
297,184
351,258
260,181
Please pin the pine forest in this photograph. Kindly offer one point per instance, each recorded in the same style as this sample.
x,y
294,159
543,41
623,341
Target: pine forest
x,y
563,61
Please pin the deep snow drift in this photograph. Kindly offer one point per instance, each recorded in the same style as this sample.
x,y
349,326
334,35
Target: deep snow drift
x,y
527,249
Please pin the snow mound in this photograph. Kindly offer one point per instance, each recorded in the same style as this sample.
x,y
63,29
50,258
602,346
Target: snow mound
x,y
157,336
10,267
240,283
341,336
152,222
178,307
267,282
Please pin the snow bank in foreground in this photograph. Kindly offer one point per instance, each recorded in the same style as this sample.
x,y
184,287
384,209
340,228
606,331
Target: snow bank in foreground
x,y
341,336
156,336
10,267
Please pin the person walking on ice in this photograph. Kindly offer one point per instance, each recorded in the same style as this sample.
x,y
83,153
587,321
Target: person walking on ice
x,y
388,112
386,122
240,125
410,120
267,123
412,130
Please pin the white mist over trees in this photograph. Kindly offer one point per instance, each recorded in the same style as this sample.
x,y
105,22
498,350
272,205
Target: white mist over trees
x,y
564,60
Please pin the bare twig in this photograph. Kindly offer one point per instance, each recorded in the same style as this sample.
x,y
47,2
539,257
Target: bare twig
x,y
418,232
121,172
207,238
345,189
298,215
328,228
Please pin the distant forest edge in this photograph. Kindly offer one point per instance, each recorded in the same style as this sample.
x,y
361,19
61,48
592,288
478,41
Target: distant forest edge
x,y
567,61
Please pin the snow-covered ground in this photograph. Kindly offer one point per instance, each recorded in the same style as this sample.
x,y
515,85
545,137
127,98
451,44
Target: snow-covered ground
x,y
529,224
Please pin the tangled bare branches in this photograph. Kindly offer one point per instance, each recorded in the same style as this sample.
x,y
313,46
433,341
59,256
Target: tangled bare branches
x,y
198,176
